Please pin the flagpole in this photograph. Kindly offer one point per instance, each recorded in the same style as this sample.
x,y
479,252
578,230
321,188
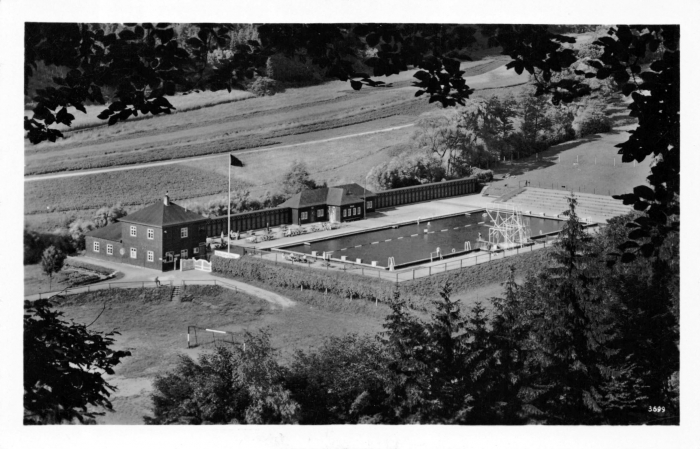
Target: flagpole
x,y
228,231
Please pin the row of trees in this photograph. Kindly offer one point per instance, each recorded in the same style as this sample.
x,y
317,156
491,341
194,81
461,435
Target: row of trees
x,y
575,343
486,131
70,236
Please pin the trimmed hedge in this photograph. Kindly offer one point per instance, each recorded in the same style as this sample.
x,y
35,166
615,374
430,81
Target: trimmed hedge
x,y
75,263
417,293
337,283
478,275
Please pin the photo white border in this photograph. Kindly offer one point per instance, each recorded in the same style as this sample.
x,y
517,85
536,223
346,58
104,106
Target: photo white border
x,y
13,14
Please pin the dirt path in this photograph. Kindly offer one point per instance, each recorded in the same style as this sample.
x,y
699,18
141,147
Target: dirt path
x,y
271,297
199,158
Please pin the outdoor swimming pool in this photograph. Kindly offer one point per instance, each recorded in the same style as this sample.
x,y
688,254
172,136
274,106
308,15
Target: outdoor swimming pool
x,y
412,242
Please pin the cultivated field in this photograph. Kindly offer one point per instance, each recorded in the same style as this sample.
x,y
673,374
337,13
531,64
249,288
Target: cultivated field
x,y
328,126
251,123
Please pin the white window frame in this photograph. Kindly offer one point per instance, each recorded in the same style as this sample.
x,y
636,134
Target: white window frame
x,y
369,204
183,233
195,250
149,256
319,213
169,256
133,253
110,249
345,212
150,234
132,231
96,247
354,211
304,216
183,254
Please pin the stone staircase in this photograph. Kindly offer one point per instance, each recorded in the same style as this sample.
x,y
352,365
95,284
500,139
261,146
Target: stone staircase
x,y
176,293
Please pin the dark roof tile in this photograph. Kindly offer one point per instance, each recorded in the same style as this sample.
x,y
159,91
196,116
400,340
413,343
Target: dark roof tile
x,y
111,232
158,214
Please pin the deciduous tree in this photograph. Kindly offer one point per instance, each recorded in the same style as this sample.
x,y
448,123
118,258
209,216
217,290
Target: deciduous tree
x,y
52,262
63,367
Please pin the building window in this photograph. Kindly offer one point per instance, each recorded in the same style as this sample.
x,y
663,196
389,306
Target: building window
x,y
369,204
96,247
359,210
149,256
183,233
132,231
354,211
133,253
319,213
169,256
304,215
345,212
110,250
183,254
150,234
195,250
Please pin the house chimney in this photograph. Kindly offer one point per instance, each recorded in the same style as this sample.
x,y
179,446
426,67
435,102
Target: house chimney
x,y
166,199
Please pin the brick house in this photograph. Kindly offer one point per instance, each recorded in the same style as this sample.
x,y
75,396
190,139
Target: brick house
x,y
335,204
155,237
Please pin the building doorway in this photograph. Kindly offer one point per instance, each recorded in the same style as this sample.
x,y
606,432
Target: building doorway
x,y
334,212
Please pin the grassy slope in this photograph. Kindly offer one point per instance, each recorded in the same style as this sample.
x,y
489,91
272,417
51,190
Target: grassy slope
x,y
240,124
154,329
346,160
595,172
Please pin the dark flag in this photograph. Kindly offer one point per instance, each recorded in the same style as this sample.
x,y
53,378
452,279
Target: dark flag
x,y
235,162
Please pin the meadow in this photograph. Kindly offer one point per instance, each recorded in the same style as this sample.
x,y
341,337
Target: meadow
x,y
131,187
589,165
339,120
154,330
244,124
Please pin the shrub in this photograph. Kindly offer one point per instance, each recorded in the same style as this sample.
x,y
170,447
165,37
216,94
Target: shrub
x,y
264,86
484,176
594,124
226,386
35,243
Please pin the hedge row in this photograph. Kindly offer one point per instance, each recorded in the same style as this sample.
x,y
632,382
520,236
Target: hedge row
x,y
337,283
76,263
478,275
417,292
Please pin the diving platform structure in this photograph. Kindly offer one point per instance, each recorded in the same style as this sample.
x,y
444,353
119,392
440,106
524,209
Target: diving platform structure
x,y
507,229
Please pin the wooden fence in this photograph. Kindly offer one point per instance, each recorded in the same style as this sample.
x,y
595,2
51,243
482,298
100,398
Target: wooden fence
x,y
260,219
425,192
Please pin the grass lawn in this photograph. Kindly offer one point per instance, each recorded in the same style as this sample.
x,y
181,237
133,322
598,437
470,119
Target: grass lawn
x,y
595,173
154,330
35,281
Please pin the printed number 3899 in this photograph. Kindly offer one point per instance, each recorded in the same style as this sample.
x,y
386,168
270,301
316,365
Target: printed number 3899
x,y
657,409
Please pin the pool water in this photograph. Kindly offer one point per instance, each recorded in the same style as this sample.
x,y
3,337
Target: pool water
x,y
412,242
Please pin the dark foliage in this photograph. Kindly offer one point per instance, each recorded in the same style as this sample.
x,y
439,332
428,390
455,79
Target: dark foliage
x,y
238,385
63,366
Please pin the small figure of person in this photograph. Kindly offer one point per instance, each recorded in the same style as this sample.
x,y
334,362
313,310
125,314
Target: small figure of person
x,y
157,282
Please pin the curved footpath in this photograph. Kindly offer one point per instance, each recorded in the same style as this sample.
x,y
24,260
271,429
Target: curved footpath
x,y
135,277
